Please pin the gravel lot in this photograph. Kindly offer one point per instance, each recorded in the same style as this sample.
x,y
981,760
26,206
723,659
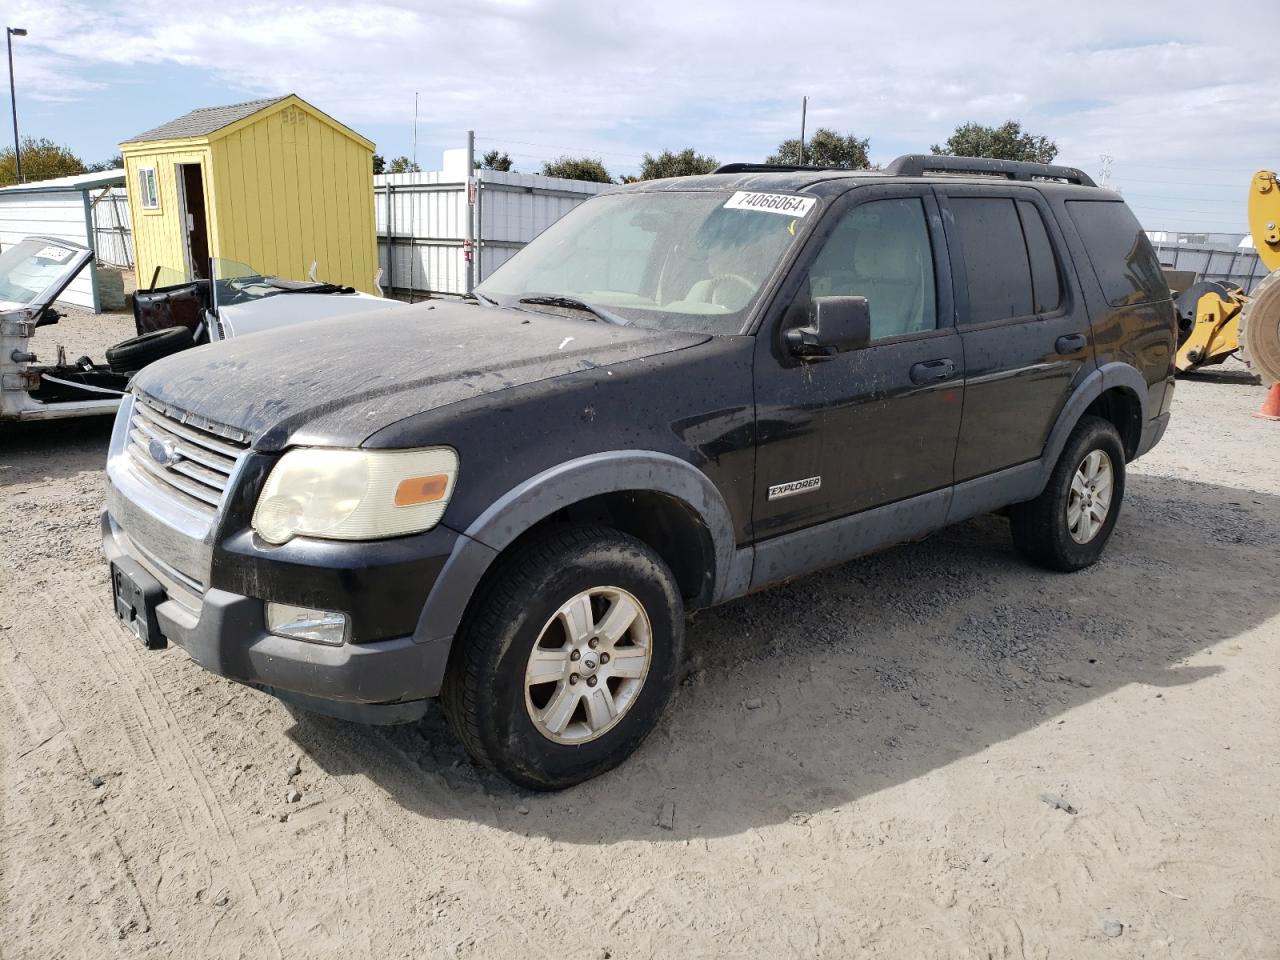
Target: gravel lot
x,y
871,761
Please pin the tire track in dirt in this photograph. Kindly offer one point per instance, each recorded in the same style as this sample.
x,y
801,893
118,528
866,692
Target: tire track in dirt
x,y
154,734
38,709
393,827
189,823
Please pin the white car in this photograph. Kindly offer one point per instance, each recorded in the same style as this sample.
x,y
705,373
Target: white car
x,y
178,316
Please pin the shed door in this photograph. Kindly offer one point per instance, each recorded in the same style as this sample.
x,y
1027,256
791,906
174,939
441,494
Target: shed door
x,y
194,223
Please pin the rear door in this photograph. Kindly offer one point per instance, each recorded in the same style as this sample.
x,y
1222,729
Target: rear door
x,y
1023,324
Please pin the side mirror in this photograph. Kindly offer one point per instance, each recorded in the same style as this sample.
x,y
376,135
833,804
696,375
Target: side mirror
x,y
839,324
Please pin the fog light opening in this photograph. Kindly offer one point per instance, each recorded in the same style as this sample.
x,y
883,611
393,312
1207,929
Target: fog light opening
x,y
307,623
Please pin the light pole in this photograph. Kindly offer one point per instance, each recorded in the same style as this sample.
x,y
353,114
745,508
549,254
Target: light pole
x,y
10,33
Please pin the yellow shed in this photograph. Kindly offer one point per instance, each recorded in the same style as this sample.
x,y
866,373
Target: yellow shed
x,y
274,184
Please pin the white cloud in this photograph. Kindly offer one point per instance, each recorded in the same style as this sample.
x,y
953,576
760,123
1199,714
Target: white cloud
x,y
1143,82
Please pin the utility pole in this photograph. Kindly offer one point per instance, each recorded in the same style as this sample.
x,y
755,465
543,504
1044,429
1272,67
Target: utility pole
x,y
10,33
804,109
469,244
415,128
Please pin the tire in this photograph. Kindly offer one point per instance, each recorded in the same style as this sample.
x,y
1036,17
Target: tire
x,y
1042,528
485,696
129,356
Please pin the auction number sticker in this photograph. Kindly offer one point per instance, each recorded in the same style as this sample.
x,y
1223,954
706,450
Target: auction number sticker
x,y
783,203
56,254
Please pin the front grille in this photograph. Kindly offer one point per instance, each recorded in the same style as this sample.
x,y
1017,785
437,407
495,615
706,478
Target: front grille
x,y
181,456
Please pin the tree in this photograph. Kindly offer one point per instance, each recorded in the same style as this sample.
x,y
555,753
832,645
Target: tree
x,y
577,168
495,160
41,160
115,163
379,164
686,163
403,165
826,148
1005,142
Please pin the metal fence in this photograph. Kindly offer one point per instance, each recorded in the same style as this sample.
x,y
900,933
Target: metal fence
x,y
430,225
1236,265
112,231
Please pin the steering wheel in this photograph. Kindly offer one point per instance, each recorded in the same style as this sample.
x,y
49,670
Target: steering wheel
x,y
747,286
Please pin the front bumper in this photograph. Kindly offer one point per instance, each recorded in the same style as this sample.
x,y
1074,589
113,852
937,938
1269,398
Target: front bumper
x,y
383,681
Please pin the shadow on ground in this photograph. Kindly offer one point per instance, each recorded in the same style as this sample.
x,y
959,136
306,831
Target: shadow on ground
x,y
35,449
874,673
1233,377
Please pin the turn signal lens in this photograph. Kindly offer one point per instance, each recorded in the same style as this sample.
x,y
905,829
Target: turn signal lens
x,y
417,490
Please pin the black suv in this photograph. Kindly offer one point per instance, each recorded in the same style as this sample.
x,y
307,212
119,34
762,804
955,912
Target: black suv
x,y
682,391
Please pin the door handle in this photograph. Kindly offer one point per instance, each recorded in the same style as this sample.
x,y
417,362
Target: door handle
x,y
1071,343
931,371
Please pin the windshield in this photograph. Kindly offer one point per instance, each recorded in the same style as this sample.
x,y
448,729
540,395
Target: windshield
x,y
32,266
668,260
235,282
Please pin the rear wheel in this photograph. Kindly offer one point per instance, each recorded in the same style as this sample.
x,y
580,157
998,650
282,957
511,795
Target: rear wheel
x,y
567,658
1068,525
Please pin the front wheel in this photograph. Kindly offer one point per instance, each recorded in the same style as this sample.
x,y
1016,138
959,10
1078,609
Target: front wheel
x,y
568,657
1068,525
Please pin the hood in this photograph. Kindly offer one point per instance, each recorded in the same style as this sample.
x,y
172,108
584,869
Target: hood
x,y
337,381
283,309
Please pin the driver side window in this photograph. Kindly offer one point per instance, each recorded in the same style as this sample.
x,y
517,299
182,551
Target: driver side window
x,y
880,250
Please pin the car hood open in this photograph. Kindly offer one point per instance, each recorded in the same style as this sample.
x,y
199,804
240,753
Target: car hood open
x,y
338,381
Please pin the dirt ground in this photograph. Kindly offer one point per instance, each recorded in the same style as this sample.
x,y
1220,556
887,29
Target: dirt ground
x,y
857,761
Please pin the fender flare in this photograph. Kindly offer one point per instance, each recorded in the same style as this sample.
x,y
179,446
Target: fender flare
x,y
561,486
1107,377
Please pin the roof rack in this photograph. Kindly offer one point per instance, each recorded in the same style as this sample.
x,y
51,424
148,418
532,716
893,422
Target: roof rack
x,y
773,168
919,164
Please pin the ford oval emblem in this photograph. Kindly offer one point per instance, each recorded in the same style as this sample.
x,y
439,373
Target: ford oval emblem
x,y
163,452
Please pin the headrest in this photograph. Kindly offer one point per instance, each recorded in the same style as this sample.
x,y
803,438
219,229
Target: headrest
x,y
887,254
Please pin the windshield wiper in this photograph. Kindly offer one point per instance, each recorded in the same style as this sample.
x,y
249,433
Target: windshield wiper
x,y
573,303
480,298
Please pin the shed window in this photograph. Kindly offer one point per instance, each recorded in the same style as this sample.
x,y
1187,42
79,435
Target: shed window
x,y
147,188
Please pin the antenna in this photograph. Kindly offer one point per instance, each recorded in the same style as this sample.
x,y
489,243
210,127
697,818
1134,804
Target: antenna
x,y
415,128
804,110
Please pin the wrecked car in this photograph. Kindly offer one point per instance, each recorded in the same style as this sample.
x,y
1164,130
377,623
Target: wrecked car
x,y
172,316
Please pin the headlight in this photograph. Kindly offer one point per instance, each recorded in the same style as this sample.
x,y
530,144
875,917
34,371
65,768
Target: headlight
x,y
355,494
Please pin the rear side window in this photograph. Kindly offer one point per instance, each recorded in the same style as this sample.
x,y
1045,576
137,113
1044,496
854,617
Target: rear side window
x,y
1046,287
1122,258
995,258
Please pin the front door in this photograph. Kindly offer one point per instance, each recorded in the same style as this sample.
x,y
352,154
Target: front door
x,y
870,426
195,223
1025,328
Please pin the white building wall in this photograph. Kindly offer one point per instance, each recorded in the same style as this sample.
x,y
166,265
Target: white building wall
x,y
422,222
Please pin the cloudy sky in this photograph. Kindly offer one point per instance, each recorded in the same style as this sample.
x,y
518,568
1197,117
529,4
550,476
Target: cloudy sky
x,y
1169,91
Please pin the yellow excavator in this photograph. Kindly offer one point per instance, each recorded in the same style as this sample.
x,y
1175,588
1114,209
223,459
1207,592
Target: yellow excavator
x,y
1216,319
